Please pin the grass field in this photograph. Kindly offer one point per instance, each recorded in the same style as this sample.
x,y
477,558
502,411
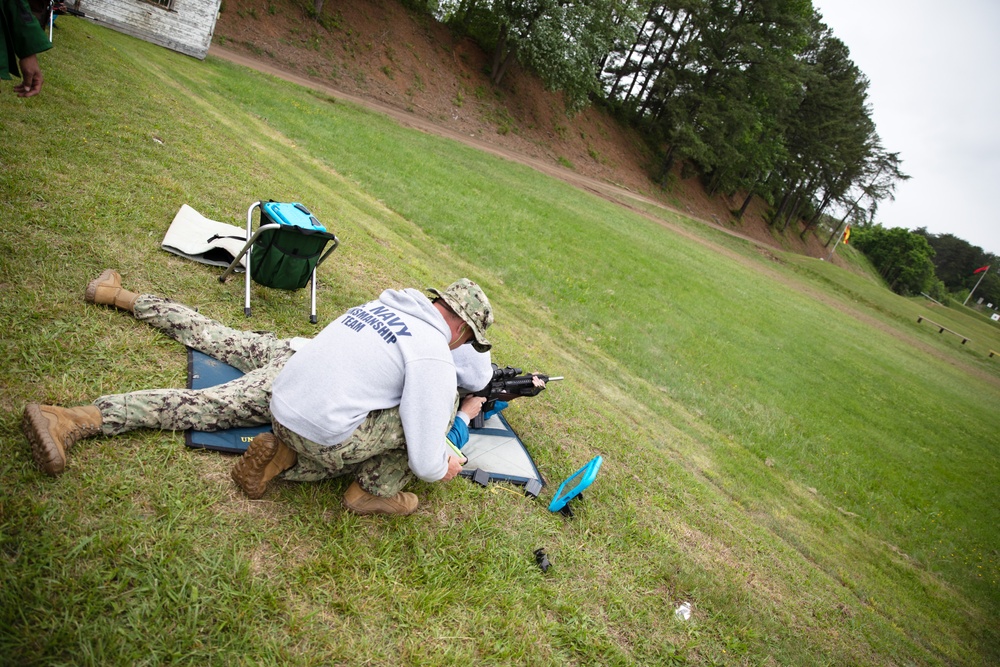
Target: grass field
x,y
784,446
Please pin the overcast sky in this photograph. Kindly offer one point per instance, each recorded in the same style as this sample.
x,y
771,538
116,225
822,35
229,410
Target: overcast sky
x,y
934,70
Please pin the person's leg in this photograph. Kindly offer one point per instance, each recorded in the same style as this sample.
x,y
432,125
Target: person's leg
x,y
245,401
265,458
244,350
375,455
376,451
52,430
378,484
106,290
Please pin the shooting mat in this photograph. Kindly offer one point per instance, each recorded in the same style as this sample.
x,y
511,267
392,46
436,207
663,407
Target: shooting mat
x,y
205,371
495,452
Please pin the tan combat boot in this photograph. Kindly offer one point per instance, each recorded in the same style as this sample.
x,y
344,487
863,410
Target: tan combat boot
x,y
106,290
265,459
360,501
53,430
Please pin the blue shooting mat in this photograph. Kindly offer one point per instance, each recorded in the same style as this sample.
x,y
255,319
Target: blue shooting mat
x,y
205,371
495,452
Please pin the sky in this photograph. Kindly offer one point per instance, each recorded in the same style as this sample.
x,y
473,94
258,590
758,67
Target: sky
x,y
934,72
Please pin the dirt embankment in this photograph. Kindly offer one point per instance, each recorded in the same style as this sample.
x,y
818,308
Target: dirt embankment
x,y
379,54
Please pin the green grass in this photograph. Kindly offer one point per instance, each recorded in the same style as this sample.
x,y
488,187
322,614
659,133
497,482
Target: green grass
x,y
785,447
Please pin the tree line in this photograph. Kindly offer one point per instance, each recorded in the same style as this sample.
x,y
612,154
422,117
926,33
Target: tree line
x,y
757,97
938,265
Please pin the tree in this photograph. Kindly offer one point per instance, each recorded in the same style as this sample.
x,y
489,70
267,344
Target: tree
x,y
956,260
989,289
621,74
720,73
830,135
881,173
564,42
757,96
902,257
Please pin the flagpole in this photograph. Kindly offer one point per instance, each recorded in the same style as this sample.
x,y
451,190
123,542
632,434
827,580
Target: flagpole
x,y
977,285
840,238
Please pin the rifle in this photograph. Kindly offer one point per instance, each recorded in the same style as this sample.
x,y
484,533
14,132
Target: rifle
x,y
507,384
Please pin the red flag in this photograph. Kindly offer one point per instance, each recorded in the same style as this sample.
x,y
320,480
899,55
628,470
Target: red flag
x,y
980,269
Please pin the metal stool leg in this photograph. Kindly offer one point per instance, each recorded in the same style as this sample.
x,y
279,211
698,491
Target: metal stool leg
x,y
312,290
246,277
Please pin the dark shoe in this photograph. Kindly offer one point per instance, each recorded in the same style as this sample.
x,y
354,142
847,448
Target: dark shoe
x,y
53,430
360,501
265,459
106,290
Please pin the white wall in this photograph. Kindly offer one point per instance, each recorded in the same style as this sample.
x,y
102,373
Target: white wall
x,y
187,27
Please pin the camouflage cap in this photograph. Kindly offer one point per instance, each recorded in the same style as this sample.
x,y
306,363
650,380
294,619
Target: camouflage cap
x,y
469,302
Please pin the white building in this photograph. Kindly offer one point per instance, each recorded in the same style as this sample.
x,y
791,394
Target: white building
x,y
180,25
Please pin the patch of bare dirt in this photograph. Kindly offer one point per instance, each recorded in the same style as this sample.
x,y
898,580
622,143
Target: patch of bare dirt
x,y
380,54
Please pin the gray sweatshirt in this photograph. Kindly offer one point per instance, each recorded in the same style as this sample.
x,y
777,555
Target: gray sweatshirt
x,y
386,353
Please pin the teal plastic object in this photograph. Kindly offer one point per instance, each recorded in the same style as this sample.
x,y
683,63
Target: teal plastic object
x,y
293,215
581,479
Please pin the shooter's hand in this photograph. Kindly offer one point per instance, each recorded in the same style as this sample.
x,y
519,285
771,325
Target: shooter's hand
x,y
471,406
454,467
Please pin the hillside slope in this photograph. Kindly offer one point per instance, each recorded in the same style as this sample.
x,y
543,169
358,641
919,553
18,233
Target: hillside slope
x,y
380,51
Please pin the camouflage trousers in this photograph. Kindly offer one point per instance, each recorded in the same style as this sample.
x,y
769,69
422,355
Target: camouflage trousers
x,y
375,454
245,401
